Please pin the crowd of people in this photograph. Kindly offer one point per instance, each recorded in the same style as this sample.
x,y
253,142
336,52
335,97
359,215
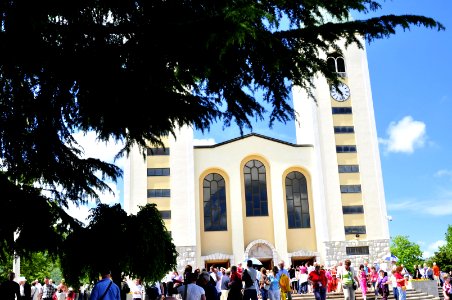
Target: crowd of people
x,y
251,282
19,288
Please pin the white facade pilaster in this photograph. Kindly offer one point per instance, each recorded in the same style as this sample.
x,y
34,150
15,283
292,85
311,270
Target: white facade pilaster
x,y
135,181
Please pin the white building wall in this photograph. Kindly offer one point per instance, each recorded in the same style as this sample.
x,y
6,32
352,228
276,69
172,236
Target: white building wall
x,y
184,217
228,158
367,144
308,132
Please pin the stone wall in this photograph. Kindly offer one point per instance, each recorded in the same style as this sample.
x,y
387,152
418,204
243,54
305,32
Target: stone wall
x,y
187,256
336,251
427,286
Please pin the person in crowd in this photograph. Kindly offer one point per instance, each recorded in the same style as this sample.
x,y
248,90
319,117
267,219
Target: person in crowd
x,y
293,279
216,275
282,270
48,289
249,291
105,288
239,269
177,280
436,272
235,285
339,270
349,280
362,276
34,291
417,272
25,289
264,284
393,280
319,282
70,294
274,289
189,290
382,285
62,287
208,284
304,280
401,287
125,289
136,288
332,284
366,267
429,273
38,286
224,283
9,289
447,288
373,279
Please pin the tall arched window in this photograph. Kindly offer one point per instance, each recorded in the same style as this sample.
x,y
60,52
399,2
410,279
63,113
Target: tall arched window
x,y
214,200
297,201
255,189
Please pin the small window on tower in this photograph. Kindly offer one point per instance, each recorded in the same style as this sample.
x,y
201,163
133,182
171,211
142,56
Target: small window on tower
x,y
337,64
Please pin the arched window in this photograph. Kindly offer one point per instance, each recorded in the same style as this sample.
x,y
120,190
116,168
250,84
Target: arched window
x,y
255,189
337,64
297,201
214,200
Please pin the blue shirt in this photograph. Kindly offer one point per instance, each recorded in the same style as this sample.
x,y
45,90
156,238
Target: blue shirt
x,y
274,282
101,286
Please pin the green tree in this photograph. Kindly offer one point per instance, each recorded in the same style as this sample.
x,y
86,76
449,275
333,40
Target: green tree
x,y
34,266
443,257
105,66
408,253
137,245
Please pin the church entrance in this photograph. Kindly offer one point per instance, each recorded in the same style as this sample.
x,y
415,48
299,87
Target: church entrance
x,y
297,261
263,253
217,263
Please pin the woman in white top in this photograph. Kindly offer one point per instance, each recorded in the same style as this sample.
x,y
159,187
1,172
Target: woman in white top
x,y
136,288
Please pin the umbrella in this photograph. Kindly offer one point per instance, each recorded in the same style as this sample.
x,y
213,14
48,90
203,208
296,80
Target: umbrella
x,y
391,258
255,261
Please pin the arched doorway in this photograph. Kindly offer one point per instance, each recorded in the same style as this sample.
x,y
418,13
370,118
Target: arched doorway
x,y
263,251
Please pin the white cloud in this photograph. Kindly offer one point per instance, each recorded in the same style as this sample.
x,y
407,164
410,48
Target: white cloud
x,y
405,136
434,207
80,212
101,150
444,173
432,248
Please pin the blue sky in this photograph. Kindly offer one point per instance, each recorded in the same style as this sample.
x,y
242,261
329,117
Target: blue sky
x,y
411,85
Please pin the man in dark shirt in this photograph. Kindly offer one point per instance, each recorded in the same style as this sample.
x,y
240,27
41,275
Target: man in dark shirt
x,y
208,286
10,290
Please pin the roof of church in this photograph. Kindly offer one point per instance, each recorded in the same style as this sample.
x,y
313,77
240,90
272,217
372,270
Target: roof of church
x,y
251,135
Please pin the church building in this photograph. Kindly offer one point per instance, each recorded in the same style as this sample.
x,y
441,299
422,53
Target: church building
x,y
319,199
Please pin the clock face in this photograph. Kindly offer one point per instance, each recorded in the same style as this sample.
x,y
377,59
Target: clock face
x,y
341,93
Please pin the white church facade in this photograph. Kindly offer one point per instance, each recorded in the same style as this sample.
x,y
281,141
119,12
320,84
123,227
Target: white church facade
x,y
320,199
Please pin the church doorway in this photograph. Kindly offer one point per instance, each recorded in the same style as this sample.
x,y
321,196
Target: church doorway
x,y
263,253
267,263
297,261
217,263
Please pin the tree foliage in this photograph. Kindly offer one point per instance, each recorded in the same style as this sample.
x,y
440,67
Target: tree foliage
x,y
443,257
34,266
136,70
408,253
137,245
